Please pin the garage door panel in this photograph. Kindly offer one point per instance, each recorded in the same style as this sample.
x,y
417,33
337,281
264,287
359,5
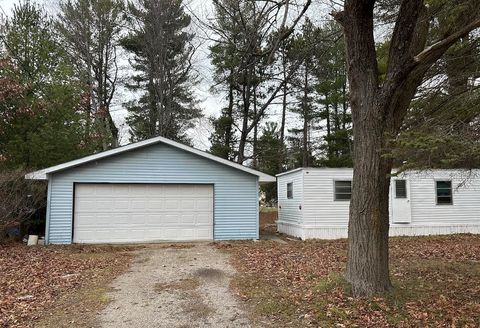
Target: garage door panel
x,y
84,204
202,233
155,205
204,205
187,219
107,213
104,189
139,204
188,204
121,190
172,204
121,205
202,219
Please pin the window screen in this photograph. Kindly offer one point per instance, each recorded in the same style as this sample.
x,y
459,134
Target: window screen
x,y
290,190
444,192
400,188
343,190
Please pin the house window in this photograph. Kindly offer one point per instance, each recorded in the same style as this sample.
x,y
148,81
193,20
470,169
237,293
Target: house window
x,y
343,190
400,189
444,192
290,190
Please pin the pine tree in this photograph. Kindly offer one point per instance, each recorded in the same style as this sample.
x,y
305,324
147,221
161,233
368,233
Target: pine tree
x,y
270,145
305,107
41,98
336,145
226,58
90,30
162,58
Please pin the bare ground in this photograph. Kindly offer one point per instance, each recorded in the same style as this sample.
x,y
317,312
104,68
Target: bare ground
x,y
176,286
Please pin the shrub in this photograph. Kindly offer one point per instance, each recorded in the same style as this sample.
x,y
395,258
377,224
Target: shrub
x,y
19,199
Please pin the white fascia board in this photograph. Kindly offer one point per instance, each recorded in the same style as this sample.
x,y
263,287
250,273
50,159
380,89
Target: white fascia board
x,y
290,172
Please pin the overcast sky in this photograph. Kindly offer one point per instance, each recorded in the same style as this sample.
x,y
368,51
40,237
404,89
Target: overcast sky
x,y
211,103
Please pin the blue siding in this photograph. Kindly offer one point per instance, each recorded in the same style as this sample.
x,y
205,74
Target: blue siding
x,y
235,192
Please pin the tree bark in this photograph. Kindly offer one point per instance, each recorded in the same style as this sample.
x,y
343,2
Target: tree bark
x,y
367,264
368,261
329,127
229,114
246,94
284,97
306,118
255,129
378,111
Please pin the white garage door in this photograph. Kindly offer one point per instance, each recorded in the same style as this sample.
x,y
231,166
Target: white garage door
x,y
118,213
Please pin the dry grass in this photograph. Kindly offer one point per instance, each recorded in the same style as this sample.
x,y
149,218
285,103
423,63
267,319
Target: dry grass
x,y
301,284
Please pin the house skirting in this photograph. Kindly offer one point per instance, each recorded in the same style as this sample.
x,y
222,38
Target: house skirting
x,y
305,232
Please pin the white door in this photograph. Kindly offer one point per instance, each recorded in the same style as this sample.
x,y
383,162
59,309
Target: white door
x,y
400,201
122,213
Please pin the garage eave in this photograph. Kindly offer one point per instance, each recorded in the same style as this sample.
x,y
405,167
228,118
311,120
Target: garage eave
x,y
43,174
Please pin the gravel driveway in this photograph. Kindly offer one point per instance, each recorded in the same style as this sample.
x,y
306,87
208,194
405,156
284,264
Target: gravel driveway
x,y
177,286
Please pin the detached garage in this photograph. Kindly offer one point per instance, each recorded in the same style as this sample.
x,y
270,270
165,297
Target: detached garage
x,y
154,190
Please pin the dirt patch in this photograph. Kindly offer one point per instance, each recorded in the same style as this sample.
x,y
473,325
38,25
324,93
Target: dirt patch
x,y
183,285
175,287
301,284
173,246
196,308
210,274
44,286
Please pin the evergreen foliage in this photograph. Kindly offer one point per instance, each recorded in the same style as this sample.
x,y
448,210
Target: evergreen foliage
x,y
162,59
41,113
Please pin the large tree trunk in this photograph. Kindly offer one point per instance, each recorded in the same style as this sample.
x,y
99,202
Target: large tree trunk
x,y
367,266
378,110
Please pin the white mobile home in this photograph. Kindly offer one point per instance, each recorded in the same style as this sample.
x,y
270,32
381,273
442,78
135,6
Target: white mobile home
x,y
314,202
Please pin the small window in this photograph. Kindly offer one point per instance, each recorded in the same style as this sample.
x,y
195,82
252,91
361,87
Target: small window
x,y
343,190
290,190
444,192
400,188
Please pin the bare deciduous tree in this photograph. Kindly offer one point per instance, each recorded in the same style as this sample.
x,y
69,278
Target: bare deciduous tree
x,y
248,35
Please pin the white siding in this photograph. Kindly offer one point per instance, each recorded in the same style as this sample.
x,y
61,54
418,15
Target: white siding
x,y
322,216
289,210
321,209
466,198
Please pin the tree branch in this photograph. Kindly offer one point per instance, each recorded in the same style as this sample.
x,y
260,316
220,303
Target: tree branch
x,y
408,35
431,54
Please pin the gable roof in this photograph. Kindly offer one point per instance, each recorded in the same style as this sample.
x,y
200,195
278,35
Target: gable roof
x,y
43,174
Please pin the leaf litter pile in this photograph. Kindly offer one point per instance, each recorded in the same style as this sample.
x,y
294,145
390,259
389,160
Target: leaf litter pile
x,y
301,284
33,280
